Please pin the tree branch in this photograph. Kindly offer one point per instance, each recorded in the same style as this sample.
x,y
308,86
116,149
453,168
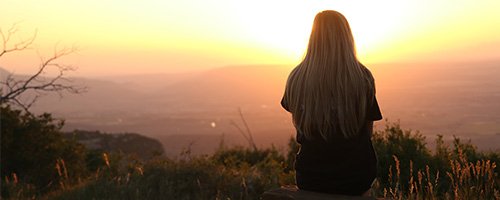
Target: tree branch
x,y
14,87
19,46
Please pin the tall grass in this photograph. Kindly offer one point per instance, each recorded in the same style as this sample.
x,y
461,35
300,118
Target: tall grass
x,y
407,170
467,180
237,173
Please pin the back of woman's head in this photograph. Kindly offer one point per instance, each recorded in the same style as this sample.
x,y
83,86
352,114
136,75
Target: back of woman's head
x,y
329,91
331,34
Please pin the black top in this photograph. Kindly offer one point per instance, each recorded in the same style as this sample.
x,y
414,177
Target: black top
x,y
339,166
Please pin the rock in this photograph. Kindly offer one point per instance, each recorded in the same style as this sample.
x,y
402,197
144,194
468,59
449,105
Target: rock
x,y
293,193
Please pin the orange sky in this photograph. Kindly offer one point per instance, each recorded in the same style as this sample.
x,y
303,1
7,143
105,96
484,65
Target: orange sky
x,y
124,37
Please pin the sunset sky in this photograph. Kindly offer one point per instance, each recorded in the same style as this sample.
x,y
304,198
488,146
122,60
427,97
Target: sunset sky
x,y
130,36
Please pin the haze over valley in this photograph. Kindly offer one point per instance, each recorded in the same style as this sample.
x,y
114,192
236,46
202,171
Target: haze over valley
x,y
200,109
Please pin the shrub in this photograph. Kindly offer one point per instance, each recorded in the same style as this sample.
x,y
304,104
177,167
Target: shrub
x,y
36,154
406,145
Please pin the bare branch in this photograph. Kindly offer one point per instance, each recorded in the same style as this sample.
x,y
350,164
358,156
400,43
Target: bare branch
x,y
14,87
19,46
248,135
240,130
20,104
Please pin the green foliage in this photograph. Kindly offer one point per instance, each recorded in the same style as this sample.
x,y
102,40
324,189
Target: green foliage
x,y
239,156
405,145
35,153
408,170
293,149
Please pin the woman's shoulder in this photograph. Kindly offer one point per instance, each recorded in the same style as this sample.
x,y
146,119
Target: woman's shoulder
x,y
368,74
365,69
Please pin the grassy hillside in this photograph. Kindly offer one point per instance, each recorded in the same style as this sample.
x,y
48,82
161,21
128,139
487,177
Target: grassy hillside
x,y
407,168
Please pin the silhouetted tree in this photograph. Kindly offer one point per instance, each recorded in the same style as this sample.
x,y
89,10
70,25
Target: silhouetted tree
x,y
33,150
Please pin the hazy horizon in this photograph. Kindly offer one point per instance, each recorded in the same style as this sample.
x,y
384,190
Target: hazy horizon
x,y
455,99
117,37
379,66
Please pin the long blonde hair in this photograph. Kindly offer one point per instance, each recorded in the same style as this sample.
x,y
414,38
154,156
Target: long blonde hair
x,y
330,89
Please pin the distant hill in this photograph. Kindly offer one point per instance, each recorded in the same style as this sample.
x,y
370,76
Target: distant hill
x,y
3,73
436,98
231,86
126,143
148,83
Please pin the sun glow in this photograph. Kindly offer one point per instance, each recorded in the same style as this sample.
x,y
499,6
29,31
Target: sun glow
x,y
284,26
168,35
384,31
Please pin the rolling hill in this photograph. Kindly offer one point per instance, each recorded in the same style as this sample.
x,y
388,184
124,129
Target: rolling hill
x,y
436,98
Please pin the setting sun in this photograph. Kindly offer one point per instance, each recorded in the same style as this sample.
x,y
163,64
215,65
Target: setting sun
x,y
167,35
285,26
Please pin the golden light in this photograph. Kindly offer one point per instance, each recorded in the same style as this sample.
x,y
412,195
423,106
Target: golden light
x,y
172,36
284,26
384,31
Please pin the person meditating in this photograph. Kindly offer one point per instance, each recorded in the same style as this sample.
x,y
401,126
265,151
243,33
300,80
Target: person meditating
x,y
331,97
